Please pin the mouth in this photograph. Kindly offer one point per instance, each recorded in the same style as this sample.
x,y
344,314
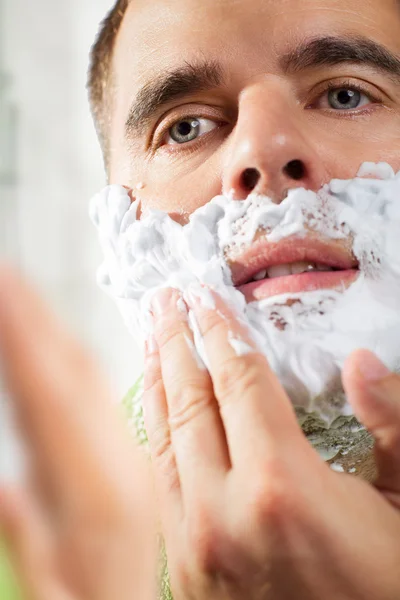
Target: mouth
x,y
293,265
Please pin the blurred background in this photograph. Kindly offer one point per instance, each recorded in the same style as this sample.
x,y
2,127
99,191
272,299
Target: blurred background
x,y
50,166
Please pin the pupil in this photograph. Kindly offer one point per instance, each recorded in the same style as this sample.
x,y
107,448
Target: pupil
x,y
345,96
184,128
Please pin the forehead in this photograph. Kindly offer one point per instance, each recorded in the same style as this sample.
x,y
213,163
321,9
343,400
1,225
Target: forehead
x,y
246,37
155,35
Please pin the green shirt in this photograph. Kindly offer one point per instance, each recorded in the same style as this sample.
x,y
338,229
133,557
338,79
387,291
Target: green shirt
x,y
134,410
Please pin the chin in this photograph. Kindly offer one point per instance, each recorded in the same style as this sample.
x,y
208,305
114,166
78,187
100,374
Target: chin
x,y
315,278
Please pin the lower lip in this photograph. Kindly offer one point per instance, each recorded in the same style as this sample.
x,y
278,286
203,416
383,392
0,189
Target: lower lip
x,y
294,284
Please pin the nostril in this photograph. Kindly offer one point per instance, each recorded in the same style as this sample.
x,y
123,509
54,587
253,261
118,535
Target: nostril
x,y
250,178
295,169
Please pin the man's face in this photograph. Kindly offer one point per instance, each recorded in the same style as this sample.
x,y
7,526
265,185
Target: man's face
x,y
224,96
240,96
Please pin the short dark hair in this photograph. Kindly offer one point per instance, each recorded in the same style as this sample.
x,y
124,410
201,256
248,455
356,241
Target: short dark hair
x,y
100,72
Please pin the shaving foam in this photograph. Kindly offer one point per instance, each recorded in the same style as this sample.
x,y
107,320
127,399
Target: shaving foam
x,y
306,337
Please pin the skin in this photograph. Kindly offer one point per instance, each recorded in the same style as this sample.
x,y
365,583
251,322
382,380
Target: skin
x,y
261,117
263,120
253,513
81,526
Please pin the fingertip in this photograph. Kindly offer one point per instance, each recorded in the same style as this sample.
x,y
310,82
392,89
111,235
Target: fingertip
x,y
350,371
363,367
370,388
354,383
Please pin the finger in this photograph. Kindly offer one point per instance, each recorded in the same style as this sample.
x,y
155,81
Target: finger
x,y
74,433
29,542
258,416
196,428
374,393
162,453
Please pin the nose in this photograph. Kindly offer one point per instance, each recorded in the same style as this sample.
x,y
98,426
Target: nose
x,y
270,151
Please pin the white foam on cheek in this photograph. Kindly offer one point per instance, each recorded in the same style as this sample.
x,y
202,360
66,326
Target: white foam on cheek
x,y
306,342
379,170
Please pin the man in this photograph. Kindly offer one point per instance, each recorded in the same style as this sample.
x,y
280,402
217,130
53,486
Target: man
x,y
194,99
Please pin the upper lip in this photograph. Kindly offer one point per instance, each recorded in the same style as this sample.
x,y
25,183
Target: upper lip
x,y
263,254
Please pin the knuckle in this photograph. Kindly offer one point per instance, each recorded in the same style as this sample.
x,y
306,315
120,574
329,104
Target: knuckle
x,y
163,457
211,323
153,385
181,575
238,375
186,402
160,442
203,537
167,333
269,496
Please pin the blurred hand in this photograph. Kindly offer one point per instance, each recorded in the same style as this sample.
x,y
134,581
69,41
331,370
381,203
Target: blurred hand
x,y
249,509
82,530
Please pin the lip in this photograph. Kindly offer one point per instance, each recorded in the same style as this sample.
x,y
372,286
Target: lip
x,y
263,254
302,282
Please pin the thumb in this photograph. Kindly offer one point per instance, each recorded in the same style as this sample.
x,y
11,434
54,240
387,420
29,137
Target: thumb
x,y
374,393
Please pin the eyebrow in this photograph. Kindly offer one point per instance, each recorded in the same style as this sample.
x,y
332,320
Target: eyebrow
x,y
333,50
194,77
190,78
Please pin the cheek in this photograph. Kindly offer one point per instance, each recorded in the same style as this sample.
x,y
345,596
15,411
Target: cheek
x,y
344,153
180,194
169,188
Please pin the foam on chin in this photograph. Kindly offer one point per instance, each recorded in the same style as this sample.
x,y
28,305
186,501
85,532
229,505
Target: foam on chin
x,y
321,328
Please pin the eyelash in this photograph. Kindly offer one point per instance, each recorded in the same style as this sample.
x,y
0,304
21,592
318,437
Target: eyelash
x,y
182,147
351,85
329,87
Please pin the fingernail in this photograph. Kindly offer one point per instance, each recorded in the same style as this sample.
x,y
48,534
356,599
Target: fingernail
x,y
371,368
161,301
200,295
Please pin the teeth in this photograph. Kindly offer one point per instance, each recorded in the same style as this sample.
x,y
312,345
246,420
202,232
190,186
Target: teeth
x,y
260,275
279,271
302,267
290,269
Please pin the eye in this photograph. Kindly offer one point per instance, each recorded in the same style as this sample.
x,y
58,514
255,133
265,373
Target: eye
x,y
344,98
187,130
347,99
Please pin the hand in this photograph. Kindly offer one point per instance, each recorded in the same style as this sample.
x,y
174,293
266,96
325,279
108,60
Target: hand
x,y
82,531
249,509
